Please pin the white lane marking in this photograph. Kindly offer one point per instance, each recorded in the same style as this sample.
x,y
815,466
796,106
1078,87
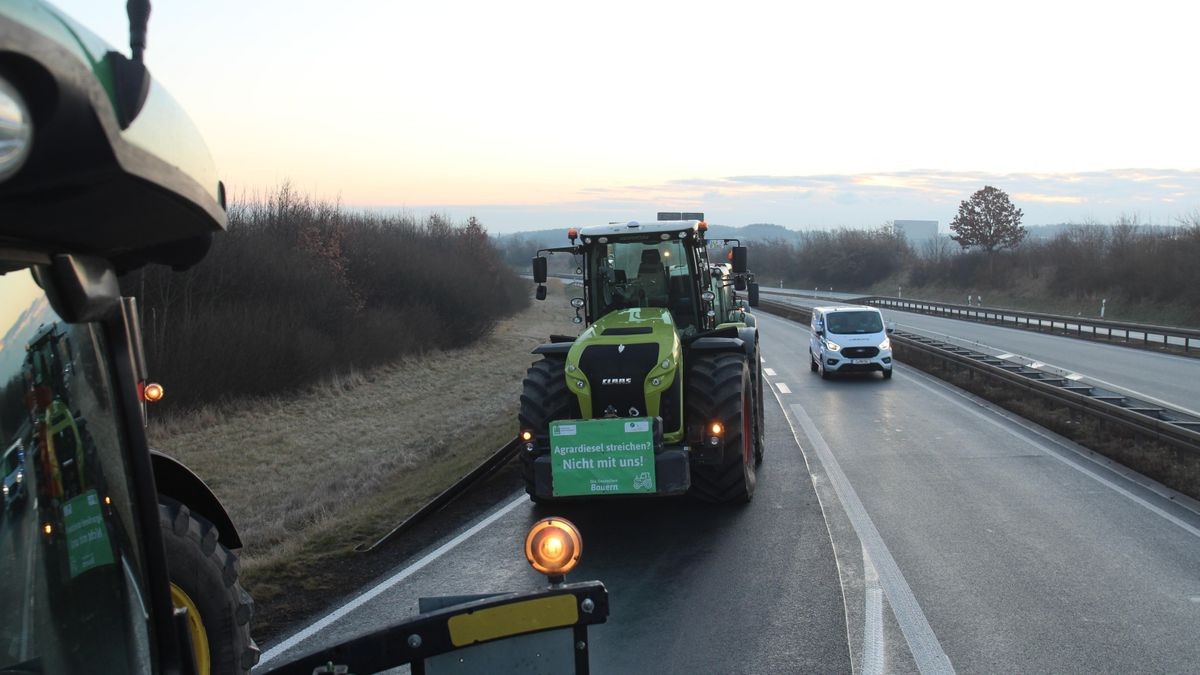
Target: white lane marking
x,y
1006,356
769,371
396,578
783,388
972,408
922,643
873,637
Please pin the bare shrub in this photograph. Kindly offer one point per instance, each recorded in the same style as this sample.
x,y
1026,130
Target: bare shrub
x,y
299,289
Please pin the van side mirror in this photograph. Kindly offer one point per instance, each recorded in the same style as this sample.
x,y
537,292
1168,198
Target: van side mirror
x,y
740,264
539,270
891,326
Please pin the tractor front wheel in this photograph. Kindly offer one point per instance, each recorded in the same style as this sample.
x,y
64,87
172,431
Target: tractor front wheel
x,y
204,579
719,390
544,398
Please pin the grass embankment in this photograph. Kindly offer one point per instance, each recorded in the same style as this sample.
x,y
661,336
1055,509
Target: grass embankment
x,y
309,476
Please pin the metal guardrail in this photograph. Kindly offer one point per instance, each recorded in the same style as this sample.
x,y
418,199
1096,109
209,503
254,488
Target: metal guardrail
x,y
1153,420
1170,336
489,466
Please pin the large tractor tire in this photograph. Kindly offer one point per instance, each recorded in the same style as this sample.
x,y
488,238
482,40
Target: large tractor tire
x,y
718,388
544,398
204,578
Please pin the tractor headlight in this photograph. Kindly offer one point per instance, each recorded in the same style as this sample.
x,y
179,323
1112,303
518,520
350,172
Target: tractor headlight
x,y
16,130
886,344
832,346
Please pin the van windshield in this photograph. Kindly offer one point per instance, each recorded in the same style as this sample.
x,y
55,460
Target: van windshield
x,y
850,323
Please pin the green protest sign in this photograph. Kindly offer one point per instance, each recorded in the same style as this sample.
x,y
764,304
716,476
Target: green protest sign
x,y
603,456
87,536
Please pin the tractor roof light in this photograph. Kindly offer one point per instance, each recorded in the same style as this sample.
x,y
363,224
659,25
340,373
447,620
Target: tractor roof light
x,y
702,226
16,130
553,547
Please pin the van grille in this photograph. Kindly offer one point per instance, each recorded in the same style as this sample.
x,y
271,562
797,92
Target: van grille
x,y
860,352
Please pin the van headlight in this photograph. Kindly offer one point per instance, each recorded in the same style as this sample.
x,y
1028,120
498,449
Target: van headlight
x,y
832,346
16,130
886,344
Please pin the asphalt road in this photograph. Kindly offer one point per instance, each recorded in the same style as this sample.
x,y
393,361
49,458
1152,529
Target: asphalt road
x,y
998,547
1173,380
693,587
898,526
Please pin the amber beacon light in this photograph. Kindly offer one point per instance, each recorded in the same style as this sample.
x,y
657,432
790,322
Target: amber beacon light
x,y
553,547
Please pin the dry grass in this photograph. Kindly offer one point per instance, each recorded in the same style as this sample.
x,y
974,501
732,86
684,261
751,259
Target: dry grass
x,y
309,476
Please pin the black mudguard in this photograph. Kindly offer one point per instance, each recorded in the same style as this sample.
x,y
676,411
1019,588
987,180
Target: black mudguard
x,y
176,481
553,349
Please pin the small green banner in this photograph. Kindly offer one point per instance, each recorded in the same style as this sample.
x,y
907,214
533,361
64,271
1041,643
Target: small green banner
x,y
87,535
603,456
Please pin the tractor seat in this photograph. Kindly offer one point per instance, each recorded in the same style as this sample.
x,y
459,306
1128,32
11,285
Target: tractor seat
x,y
652,277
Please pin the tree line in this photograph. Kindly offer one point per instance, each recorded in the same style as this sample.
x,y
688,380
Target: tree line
x,y
299,289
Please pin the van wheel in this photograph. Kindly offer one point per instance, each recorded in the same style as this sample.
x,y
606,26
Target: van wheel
x,y
887,374
812,363
825,373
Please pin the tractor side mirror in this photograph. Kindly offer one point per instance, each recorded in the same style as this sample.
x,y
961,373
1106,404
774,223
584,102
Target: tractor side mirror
x,y
739,283
539,271
541,292
740,264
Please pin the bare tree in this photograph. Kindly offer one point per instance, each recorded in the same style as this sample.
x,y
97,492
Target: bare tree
x,y
988,220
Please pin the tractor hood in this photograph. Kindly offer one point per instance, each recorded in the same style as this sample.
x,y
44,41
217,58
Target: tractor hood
x,y
626,364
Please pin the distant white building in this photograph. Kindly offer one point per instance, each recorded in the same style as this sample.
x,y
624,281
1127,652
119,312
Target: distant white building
x,y
917,231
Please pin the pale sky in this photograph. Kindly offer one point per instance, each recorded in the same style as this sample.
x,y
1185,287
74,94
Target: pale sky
x,y
533,115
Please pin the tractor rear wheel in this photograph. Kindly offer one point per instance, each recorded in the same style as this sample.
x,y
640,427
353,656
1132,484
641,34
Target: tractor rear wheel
x,y
204,579
544,398
719,390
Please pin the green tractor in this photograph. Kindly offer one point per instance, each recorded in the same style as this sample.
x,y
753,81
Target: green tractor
x,y
661,393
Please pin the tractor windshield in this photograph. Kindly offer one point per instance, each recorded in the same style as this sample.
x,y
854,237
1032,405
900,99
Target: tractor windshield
x,y
653,273
71,589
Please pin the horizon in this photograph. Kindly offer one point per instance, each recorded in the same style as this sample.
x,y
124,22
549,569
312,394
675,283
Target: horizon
x,y
515,119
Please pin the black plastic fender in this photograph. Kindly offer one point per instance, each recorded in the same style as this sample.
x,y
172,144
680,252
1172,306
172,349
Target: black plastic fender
x,y
176,481
553,349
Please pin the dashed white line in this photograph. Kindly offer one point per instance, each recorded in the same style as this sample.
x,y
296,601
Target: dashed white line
x,y
769,371
783,388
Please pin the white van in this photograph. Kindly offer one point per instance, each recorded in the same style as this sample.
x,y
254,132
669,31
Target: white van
x,y
849,339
